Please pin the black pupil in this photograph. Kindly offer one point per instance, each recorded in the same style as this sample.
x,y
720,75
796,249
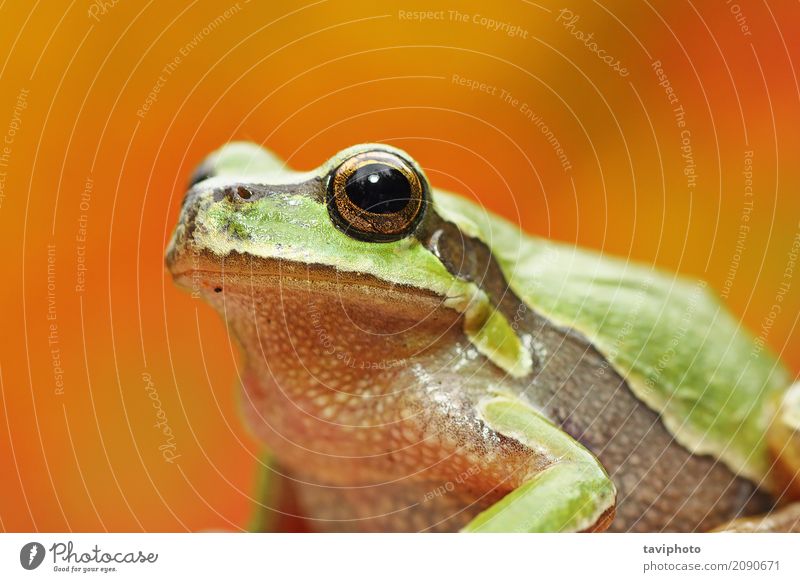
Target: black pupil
x,y
378,188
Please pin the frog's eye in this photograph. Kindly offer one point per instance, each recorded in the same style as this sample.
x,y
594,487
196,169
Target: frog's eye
x,y
376,196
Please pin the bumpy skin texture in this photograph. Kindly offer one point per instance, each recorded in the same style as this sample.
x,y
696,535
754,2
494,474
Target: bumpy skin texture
x,y
373,417
365,365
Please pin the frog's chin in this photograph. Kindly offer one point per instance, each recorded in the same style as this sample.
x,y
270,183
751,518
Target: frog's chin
x,y
204,273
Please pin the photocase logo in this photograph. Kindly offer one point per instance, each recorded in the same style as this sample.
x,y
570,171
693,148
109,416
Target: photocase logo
x,y
31,555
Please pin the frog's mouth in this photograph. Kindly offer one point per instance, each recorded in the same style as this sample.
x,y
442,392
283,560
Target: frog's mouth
x,y
202,272
192,250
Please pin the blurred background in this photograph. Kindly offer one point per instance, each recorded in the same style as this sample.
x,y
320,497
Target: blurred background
x,y
666,132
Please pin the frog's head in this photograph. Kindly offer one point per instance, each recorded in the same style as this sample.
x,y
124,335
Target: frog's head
x,y
365,222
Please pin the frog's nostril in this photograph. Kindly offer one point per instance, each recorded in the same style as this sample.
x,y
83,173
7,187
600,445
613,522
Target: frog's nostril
x,y
234,193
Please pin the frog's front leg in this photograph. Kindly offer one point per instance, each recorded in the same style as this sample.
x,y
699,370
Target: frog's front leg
x,y
572,493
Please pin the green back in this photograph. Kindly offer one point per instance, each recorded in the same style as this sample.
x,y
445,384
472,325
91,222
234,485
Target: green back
x,y
680,350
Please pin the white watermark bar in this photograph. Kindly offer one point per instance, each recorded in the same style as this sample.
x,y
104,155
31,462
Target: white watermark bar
x,y
355,557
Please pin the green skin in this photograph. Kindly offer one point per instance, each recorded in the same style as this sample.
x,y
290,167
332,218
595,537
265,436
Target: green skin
x,y
680,351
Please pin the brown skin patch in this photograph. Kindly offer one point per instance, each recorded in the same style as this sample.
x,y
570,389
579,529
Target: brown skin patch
x,y
470,259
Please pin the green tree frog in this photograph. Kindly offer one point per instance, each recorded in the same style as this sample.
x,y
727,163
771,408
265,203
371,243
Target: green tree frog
x,y
412,362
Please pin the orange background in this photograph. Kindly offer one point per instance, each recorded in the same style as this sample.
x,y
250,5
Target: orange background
x,y
308,81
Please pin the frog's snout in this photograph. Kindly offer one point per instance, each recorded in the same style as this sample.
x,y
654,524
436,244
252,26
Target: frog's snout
x,y
208,206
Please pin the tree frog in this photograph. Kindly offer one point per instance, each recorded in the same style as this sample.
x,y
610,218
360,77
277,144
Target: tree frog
x,y
412,362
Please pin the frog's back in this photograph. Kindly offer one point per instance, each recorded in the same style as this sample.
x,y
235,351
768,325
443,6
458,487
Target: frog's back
x,y
679,350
